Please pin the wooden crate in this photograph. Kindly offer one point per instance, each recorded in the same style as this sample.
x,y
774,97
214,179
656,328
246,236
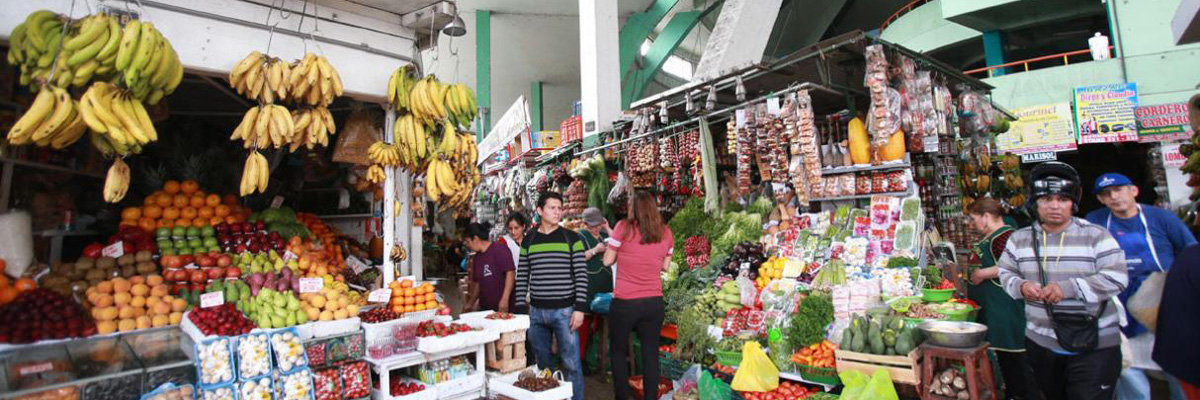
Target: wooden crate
x,y
511,338
904,369
506,357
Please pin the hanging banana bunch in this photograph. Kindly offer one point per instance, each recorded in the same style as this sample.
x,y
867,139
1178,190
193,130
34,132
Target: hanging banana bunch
x,y
460,105
413,139
116,182
265,126
261,78
52,120
384,154
254,174
119,122
149,65
375,174
427,100
33,44
312,128
312,81
399,88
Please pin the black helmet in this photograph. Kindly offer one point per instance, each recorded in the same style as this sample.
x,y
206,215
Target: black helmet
x,y
1053,177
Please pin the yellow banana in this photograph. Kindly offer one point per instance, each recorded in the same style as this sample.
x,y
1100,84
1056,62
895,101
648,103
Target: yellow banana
x,y
42,107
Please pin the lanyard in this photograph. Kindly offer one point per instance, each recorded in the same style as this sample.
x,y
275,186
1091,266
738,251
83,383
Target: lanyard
x,y
1149,238
1061,239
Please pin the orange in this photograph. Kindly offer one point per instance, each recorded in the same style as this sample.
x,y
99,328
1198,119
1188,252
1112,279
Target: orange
x,y
131,213
152,211
129,222
212,200
163,200
189,187
166,223
4,281
8,294
171,187
206,212
196,201
409,292
221,210
149,200
215,221
430,305
170,213
148,224
25,284
188,213
184,222
180,201
430,297
406,283
231,219
199,221
409,309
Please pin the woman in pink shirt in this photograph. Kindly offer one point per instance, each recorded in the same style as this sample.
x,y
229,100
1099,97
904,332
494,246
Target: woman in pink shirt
x,y
641,247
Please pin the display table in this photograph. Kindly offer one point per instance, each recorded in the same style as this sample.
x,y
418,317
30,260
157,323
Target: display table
x,y
471,387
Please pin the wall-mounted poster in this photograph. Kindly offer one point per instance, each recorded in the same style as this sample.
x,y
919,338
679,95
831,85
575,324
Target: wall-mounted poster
x,y
1163,122
1048,127
1105,113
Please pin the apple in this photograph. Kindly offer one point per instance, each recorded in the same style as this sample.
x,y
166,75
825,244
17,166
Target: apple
x,y
165,244
214,273
188,259
169,252
162,233
209,241
177,287
241,248
197,286
179,232
208,231
197,276
224,260
260,226
233,272
180,243
204,260
193,232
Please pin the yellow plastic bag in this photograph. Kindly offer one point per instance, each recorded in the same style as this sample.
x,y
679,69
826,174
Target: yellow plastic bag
x,y
756,372
859,387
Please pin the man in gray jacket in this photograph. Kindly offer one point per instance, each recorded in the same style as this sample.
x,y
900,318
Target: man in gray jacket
x,y
1077,269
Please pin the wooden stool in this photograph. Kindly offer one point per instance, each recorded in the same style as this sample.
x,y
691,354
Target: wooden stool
x,y
980,382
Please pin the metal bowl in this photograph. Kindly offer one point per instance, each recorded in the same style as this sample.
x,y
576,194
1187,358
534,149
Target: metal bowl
x,y
953,333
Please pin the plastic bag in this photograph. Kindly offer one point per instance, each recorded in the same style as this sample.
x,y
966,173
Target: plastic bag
x,y
860,387
17,242
756,373
601,303
1143,305
713,388
361,129
748,293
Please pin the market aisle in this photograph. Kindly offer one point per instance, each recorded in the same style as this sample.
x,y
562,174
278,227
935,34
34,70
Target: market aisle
x,y
597,388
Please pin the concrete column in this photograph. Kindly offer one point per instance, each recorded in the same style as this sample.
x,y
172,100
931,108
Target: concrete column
x,y
993,51
599,67
739,38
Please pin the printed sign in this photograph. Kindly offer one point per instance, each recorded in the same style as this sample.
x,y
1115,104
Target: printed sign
x,y
356,265
1105,113
212,299
36,368
1177,188
1163,122
1038,129
311,285
512,125
114,250
773,105
1039,157
277,201
380,295
288,255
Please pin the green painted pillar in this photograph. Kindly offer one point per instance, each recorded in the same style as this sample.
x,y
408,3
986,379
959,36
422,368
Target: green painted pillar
x,y
483,70
667,41
993,51
535,105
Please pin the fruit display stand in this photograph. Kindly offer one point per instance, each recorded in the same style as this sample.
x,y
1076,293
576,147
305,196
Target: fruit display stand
x,y
904,369
471,387
430,392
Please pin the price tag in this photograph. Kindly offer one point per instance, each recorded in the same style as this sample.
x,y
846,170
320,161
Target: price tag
x,y
380,295
744,266
311,285
191,266
355,264
36,368
930,143
277,201
114,250
289,256
212,299
773,105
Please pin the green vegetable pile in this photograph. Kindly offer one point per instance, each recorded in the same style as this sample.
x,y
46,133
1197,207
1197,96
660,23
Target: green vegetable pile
x,y
694,340
680,294
901,262
808,325
932,274
742,227
881,335
691,220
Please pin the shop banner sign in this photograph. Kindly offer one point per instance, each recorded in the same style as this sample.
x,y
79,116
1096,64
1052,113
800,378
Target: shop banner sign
x,y
1163,122
1039,129
513,124
1105,113
1177,188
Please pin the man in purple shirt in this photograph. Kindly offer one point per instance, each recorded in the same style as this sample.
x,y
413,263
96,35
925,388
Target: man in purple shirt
x,y
493,275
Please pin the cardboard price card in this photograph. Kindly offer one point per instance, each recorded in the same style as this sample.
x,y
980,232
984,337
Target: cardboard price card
x,y
212,299
380,295
311,285
115,250
356,265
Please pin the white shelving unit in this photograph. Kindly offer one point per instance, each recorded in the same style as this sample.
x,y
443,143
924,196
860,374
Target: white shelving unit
x,y
385,366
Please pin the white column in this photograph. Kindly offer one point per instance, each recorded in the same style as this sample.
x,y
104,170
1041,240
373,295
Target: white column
x,y
599,64
739,38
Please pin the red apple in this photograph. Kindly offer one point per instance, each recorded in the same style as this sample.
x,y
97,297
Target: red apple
x,y
224,260
197,286
204,260
172,262
198,276
177,287
214,273
233,272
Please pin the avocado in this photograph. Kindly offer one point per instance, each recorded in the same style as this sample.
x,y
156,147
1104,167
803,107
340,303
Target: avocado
x,y
876,343
904,342
847,338
858,345
889,337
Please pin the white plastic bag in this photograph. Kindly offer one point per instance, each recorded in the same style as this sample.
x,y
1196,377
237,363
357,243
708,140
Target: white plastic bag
x,y
16,242
1143,305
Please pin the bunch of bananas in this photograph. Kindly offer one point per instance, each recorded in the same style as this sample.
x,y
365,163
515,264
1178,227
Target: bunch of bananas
x,y
312,127
452,176
264,126
116,182
375,174
33,44
460,105
148,62
254,174
52,120
261,78
384,154
312,81
413,138
399,87
119,122
427,100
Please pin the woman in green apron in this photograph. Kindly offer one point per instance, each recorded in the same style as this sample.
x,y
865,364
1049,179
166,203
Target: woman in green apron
x,y
1004,316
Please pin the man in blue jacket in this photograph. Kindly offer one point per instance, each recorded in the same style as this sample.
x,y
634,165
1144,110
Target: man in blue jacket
x,y
1151,238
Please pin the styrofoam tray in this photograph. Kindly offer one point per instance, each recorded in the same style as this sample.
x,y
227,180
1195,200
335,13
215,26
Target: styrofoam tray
x,y
324,329
433,344
504,385
519,322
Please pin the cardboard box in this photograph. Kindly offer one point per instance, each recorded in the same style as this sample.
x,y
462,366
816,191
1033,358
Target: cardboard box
x,y
547,140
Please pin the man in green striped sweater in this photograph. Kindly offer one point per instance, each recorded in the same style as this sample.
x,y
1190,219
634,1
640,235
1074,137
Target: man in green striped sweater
x,y
553,277
1078,268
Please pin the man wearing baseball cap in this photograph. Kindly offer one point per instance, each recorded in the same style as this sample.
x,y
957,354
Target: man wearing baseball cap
x,y
1151,238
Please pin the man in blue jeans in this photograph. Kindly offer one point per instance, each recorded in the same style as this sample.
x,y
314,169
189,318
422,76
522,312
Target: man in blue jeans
x,y
553,276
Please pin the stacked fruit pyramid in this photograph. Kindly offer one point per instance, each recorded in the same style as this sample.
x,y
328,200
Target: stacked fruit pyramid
x,y
183,204
129,64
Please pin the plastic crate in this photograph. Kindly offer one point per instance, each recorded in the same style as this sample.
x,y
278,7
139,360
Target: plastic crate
x,y
824,376
730,358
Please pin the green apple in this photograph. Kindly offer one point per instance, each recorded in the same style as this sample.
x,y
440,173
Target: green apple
x,y
168,251
164,244
209,241
195,242
179,232
181,243
162,233
208,231
193,232
184,250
